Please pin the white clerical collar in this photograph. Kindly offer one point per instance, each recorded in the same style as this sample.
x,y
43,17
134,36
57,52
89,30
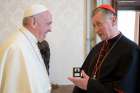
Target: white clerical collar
x,y
30,36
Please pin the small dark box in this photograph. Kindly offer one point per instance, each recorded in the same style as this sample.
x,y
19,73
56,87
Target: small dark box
x,y
76,72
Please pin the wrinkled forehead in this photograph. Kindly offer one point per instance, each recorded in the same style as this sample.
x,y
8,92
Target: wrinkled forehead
x,y
48,16
103,11
98,16
44,15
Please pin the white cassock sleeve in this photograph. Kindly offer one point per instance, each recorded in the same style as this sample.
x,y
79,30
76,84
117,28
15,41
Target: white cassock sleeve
x,y
13,74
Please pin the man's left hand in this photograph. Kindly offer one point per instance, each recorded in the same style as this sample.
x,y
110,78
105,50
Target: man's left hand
x,y
80,82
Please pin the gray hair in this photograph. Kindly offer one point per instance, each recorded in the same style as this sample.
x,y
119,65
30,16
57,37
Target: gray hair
x,y
25,19
104,11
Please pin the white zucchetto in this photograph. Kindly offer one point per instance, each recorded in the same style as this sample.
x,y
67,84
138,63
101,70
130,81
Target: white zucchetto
x,y
34,10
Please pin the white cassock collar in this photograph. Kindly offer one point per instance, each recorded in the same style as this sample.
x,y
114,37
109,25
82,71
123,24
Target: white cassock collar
x,y
30,36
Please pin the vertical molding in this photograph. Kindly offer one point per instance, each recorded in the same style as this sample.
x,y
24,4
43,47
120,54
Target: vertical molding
x,y
94,34
87,25
114,4
137,28
85,28
139,32
94,4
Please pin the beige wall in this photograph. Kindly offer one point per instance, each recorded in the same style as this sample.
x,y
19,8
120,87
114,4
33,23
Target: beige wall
x,y
66,38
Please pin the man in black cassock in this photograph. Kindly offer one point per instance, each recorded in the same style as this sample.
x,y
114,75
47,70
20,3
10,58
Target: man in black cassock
x,y
113,65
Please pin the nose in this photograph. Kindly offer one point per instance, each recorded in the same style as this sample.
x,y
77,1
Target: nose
x,y
48,29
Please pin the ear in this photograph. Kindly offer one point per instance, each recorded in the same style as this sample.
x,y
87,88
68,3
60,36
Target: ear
x,y
34,22
114,20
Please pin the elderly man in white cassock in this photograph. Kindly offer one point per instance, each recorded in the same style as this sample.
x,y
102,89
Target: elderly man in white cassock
x,y
22,69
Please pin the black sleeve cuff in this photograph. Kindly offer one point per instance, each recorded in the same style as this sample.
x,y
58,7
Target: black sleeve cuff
x,y
94,86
